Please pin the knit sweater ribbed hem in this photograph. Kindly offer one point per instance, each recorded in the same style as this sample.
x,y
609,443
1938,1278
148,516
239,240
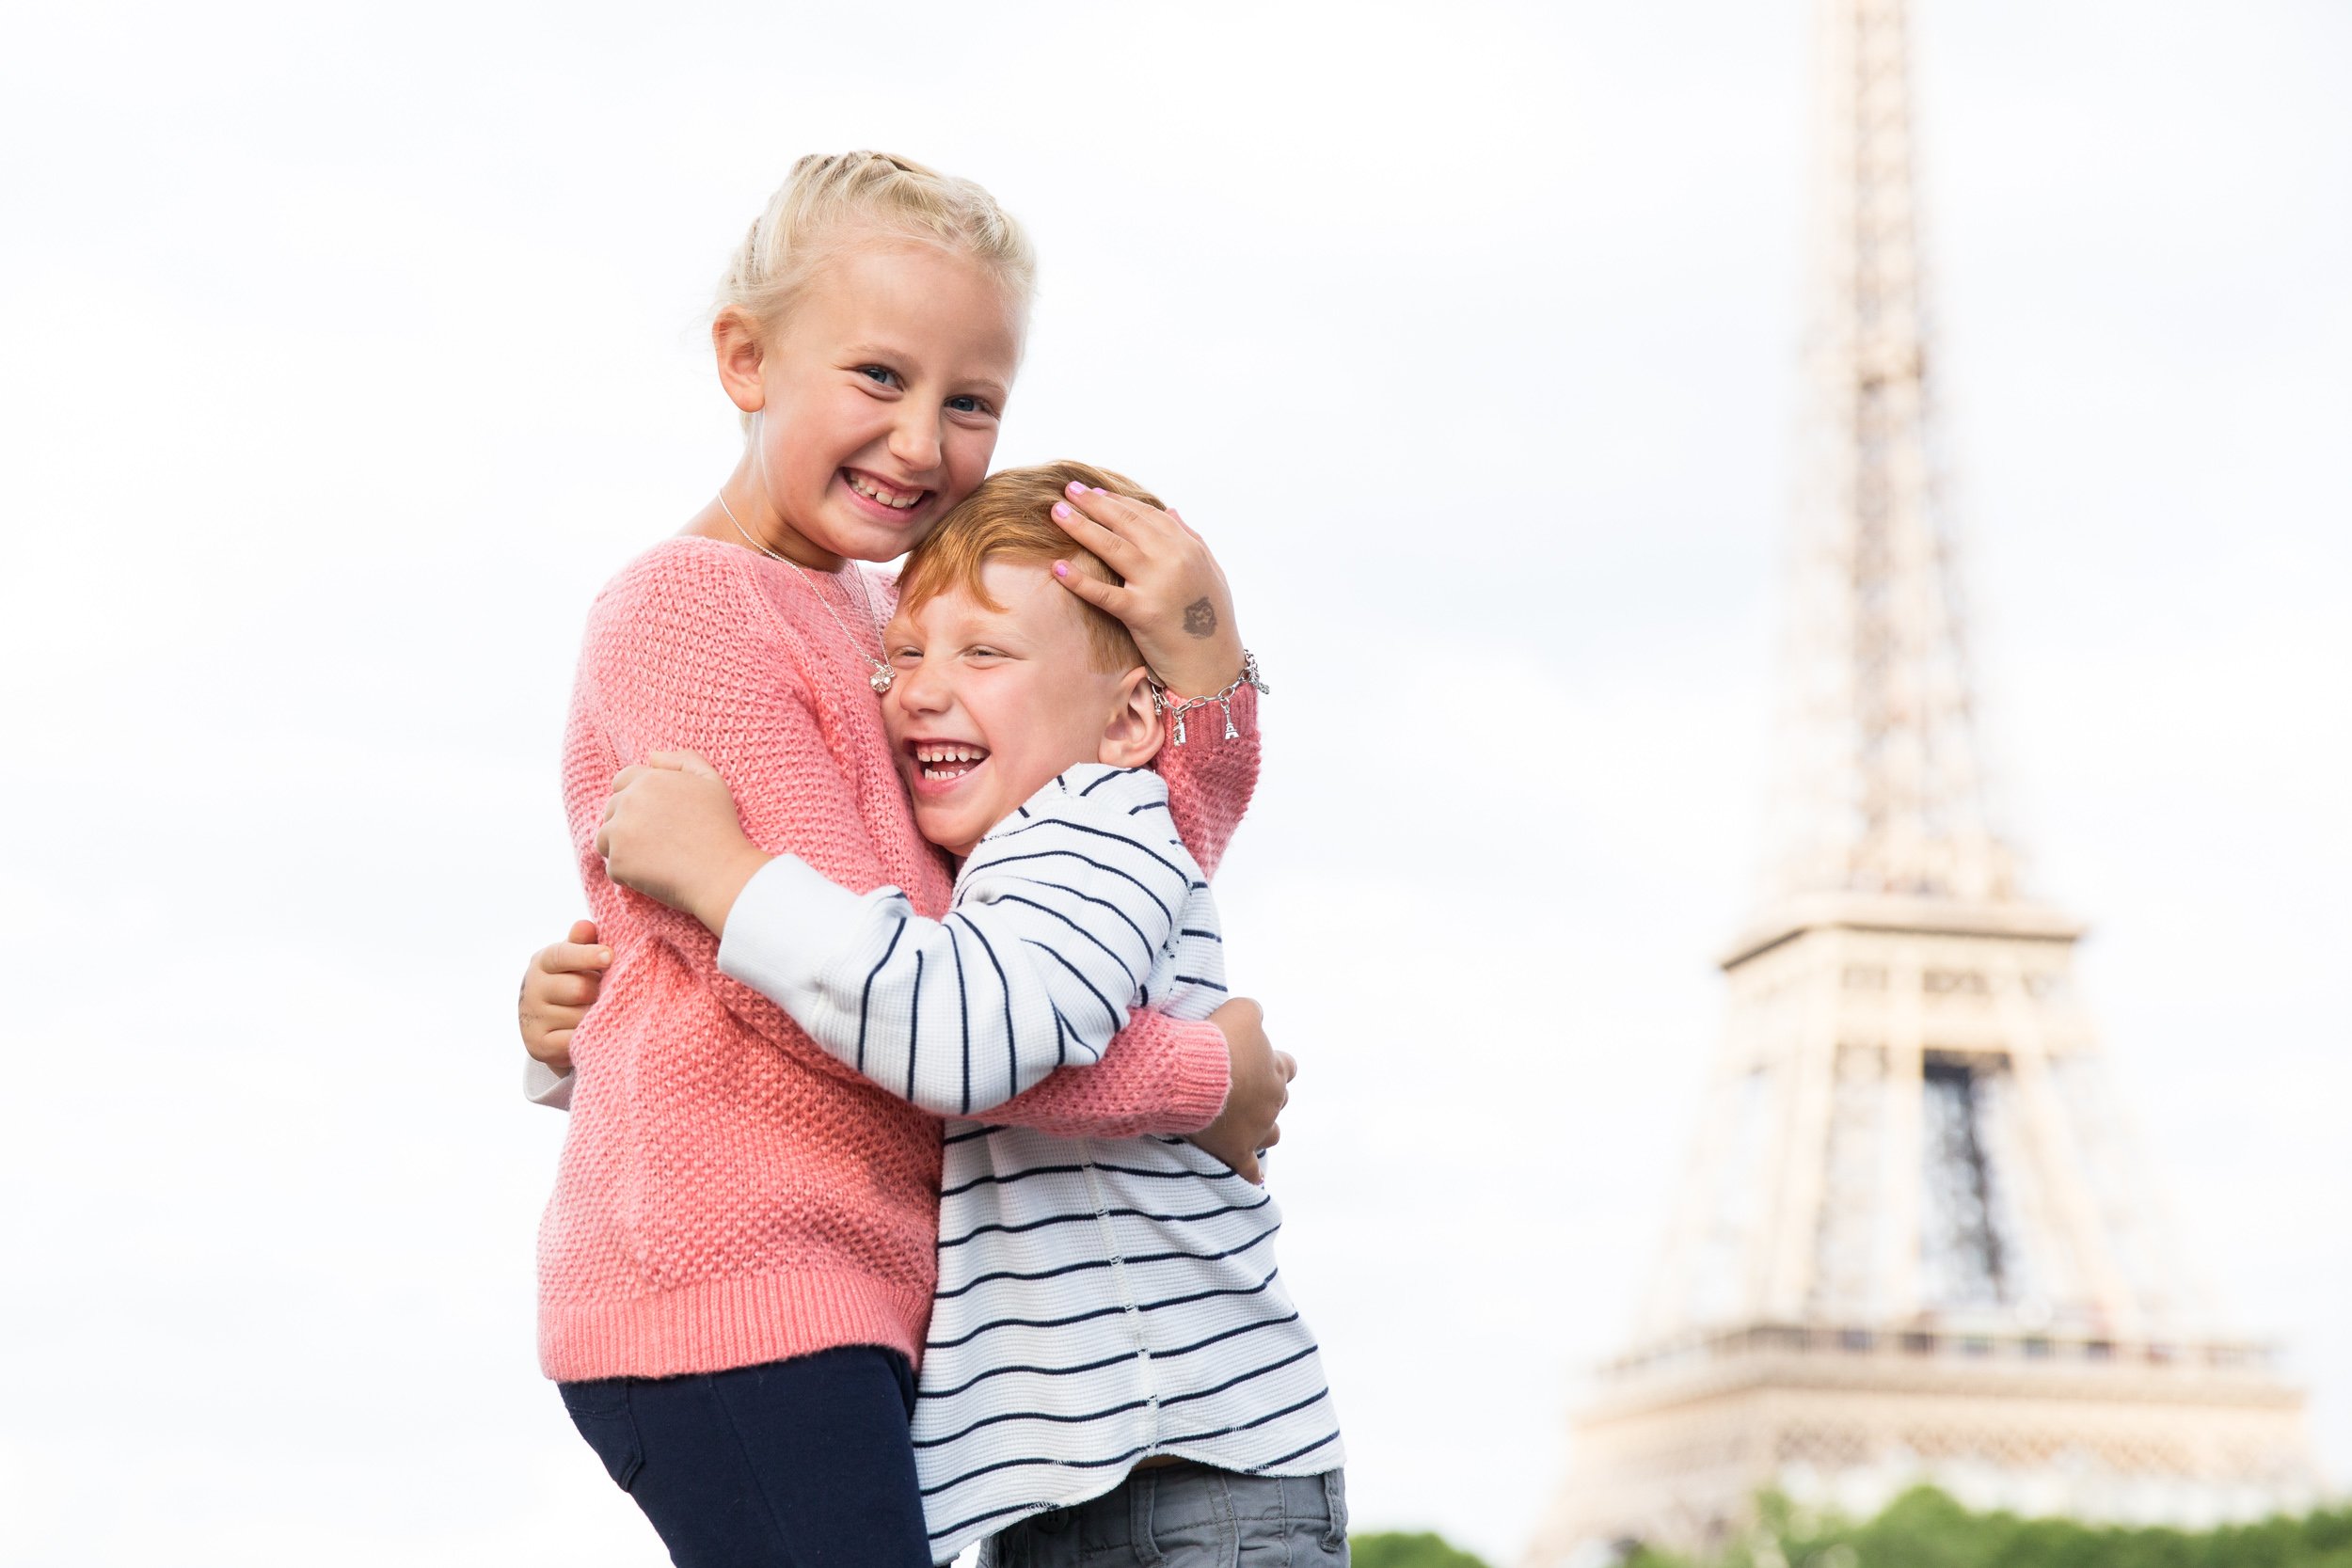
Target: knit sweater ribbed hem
x,y
714,1324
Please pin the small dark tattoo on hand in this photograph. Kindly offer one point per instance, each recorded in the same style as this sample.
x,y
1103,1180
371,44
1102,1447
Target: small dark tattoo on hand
x,y
1200,619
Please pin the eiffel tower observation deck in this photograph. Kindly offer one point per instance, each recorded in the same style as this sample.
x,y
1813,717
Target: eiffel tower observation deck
x,y
1915,1242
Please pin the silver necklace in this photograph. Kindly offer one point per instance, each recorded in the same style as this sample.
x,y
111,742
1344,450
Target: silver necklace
x,y
883,673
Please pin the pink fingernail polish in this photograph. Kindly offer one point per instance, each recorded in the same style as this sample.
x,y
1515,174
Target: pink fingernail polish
x,y
1062,508
1061,568
1099,491
1077,489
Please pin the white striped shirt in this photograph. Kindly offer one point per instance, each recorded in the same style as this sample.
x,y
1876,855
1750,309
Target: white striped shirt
x,y
1099,1299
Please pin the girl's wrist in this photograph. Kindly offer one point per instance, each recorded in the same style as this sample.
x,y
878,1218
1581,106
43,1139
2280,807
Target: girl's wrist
x,y
1204,668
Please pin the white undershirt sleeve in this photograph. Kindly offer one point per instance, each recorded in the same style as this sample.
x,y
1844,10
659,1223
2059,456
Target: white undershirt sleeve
x,y
544,1085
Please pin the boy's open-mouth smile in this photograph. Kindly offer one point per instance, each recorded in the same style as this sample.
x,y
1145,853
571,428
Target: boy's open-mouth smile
x,y
943,764
875,495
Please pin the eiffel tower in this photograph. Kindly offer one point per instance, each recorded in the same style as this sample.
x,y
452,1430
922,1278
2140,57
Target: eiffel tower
x,y
1916,1243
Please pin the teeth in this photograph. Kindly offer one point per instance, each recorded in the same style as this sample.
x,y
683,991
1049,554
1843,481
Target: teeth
x,y
867,487
948,754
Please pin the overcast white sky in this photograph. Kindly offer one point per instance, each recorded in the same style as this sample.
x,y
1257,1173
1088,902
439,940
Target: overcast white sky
x,y
345,351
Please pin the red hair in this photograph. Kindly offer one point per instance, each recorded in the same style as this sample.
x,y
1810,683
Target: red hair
x,y
1007,518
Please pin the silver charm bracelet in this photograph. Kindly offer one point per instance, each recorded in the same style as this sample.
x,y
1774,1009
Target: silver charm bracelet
x,y
1175,709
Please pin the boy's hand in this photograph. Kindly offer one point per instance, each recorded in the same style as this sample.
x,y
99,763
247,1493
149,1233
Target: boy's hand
x,y
559,988
670,832
1247,1126
1175,603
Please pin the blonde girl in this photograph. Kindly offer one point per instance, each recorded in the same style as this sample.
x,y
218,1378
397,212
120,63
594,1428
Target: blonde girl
x,y
736,1264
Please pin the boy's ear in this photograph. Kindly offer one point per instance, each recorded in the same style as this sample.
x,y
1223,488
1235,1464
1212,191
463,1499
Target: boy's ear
x,y
739,353
1132,736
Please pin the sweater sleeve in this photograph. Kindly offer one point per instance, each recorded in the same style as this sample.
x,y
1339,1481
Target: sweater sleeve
x,y
1211,779
1161,1074
1057,921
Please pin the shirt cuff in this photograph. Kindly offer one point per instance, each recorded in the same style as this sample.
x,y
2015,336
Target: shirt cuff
x,y
544,1085
1204,1070
788,925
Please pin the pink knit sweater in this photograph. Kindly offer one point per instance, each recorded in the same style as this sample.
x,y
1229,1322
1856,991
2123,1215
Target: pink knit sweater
x,y
728,1194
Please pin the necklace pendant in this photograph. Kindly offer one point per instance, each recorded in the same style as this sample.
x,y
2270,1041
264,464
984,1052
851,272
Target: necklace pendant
x,y
882,677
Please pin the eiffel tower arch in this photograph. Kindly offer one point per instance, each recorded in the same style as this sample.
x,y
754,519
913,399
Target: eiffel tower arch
x,y
1916,1241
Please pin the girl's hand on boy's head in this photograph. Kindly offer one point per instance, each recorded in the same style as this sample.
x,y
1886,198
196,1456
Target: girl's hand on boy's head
x,y
1175,602
671,832
559,987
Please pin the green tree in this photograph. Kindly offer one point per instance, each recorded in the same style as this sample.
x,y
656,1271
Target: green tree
x,y
1401,1549
1924,1528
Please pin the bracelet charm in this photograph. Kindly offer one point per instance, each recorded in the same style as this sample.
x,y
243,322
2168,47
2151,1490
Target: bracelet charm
x,y
1175,709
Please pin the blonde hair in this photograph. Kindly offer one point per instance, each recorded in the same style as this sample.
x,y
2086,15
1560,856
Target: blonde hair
x,y
1006,519
834,200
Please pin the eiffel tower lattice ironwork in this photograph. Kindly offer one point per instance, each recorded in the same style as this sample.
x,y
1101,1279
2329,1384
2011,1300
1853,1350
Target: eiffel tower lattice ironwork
x,y
1915,1241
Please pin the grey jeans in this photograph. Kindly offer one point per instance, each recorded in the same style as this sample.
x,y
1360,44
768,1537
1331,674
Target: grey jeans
x,y
1187,1516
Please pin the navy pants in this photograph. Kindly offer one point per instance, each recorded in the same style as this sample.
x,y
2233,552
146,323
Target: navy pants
x,y
799,1464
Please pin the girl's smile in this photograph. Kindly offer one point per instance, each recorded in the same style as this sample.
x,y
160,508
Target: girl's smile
x,y
878,492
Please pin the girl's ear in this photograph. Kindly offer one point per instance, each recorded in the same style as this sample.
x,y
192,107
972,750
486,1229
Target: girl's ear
x,y
739,353
1132,736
